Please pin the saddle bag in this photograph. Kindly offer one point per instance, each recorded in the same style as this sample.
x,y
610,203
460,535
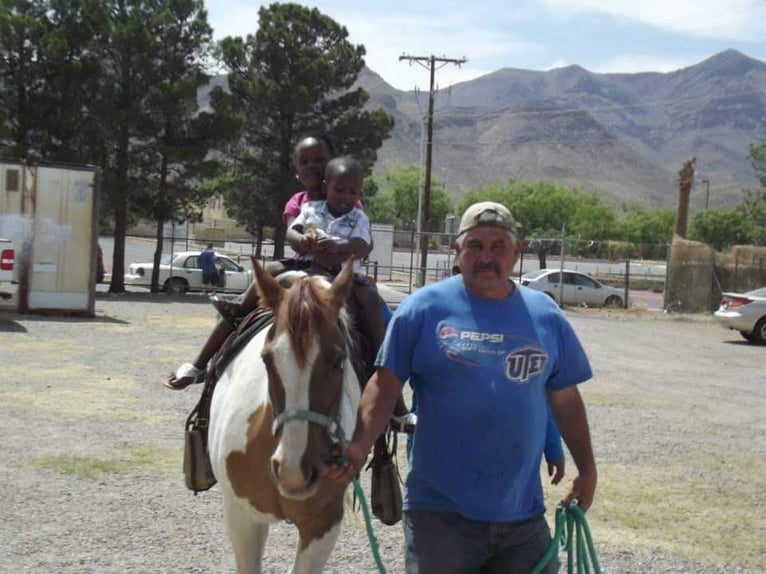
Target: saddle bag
x,y
198,471
385,491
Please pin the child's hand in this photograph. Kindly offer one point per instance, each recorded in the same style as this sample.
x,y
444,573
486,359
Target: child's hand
x,y
308,242
326,244
556,469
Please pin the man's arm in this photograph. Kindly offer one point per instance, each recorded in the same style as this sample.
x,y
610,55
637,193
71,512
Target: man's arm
x,y
569,413
375,408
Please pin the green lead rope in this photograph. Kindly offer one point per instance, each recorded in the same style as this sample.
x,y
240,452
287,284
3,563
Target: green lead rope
x,y
368,526
573,535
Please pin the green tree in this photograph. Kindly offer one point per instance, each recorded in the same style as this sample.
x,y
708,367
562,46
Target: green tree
x,y
757,156
170,157
293,77
22,25
49,73
397,201
720,228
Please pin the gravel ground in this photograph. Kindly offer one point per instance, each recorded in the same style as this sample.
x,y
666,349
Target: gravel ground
x,y
93,443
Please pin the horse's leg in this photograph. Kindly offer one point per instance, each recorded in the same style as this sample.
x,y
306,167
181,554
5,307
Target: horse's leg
x,y
312,559
248,537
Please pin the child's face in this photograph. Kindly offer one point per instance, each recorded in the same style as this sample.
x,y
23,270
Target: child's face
x,y
343,191
311,158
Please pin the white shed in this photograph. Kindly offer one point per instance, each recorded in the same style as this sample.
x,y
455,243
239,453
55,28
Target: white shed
x,y
51,213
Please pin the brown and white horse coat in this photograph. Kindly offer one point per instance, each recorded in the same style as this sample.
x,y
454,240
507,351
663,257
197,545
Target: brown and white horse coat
x,y
300,365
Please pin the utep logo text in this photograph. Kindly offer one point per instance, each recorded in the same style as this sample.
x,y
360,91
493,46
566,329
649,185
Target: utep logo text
x,y
525,363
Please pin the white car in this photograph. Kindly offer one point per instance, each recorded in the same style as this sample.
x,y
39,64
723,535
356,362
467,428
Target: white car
x,y
746,313
183,274
576,289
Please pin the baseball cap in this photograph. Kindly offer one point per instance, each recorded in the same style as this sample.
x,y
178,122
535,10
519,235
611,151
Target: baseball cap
x,y
488,213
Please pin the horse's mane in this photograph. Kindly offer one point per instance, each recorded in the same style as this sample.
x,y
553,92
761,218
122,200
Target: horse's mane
x,y
308,312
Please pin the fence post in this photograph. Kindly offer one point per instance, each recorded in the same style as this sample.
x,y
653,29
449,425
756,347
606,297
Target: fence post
x,y
625,303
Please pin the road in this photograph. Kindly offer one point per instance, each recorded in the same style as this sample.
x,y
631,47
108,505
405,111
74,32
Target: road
x,y
395,285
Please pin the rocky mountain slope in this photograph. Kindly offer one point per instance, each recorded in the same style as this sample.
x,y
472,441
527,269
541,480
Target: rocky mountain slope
x,y
625,135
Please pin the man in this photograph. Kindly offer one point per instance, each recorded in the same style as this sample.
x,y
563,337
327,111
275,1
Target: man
x,y
207,260
483,355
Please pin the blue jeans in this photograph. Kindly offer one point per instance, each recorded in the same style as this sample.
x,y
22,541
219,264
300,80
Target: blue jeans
x,y
446,543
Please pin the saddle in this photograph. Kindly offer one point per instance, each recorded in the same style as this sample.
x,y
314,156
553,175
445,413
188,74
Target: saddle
x,y
198,471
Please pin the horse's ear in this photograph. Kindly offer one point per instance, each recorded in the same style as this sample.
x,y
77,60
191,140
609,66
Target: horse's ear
x,y
341,285
269,290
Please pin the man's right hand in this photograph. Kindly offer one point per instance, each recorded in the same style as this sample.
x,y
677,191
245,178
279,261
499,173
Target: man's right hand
x,y
345,471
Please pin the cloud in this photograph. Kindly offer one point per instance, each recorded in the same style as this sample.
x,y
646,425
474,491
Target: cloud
x,y
740,20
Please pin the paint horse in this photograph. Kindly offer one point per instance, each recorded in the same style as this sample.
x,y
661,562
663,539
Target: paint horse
x,y
279,410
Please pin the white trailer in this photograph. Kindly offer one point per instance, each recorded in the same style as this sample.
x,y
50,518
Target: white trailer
x,y
49,211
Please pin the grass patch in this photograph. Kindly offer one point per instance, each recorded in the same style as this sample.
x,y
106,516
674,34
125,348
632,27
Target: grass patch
x,y
143,459
76,391
699,505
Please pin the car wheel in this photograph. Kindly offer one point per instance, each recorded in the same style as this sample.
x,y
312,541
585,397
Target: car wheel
x,y
613,301
746,336
176,286
759,333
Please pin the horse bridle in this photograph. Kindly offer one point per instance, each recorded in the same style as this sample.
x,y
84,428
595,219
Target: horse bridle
x,y
331,423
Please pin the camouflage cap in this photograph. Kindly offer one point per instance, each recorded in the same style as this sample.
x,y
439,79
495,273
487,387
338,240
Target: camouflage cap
x,y
488,213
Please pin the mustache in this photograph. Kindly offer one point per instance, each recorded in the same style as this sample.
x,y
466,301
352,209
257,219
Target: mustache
x,y
486,267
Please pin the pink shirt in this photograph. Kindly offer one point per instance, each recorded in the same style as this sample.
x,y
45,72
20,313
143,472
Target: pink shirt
x,y
295,203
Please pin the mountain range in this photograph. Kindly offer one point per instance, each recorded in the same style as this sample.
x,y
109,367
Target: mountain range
x,y
624,135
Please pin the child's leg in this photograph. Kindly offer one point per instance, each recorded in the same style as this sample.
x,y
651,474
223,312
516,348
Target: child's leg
x,y
186,376
215,340
373,326
370,316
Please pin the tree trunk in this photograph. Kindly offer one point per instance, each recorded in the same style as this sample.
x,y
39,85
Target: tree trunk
x,y
683,210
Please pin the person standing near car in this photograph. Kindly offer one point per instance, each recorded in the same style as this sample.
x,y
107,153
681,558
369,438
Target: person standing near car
x,y
207,262
486,357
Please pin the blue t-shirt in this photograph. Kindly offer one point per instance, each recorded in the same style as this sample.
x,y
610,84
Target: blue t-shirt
x,y
480,369
207,261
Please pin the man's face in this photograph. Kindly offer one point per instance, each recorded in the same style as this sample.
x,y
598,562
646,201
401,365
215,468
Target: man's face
x,y
343,191
487,258
311,158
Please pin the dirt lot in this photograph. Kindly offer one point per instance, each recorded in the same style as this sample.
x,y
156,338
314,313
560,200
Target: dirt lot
x,y
92,447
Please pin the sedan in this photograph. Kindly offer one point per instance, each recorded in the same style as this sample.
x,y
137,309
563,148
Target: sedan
x,y
575,289
183,273
746,313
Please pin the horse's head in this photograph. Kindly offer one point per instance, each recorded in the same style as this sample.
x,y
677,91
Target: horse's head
x,y
306,356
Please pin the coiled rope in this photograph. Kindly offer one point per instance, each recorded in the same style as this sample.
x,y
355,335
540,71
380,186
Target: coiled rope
x,y
573,536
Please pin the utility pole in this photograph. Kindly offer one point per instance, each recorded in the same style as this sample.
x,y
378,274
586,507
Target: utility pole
x,y
425,213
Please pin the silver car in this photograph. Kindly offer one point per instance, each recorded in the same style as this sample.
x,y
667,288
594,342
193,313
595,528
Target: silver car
x,y
184,274
746,313
575,289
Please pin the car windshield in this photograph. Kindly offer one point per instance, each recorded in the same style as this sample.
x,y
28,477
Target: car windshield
x,y
165,259
757,292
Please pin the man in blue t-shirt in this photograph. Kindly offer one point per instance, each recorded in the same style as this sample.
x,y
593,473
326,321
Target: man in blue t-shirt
x,y
486,358
207,259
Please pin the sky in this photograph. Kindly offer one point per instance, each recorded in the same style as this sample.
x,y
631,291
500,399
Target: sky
x,y
605,36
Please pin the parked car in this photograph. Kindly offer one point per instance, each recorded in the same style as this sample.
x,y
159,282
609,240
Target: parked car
x,y
576,289
184,274
7,272
746,313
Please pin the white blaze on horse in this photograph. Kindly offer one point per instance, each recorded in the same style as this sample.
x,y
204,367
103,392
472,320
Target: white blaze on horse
x,y
278,412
